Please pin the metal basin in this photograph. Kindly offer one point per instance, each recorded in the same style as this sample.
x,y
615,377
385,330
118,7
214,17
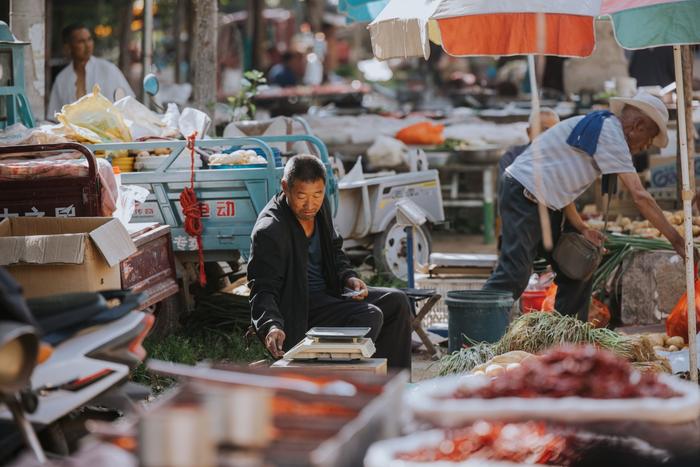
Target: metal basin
x,y
485,155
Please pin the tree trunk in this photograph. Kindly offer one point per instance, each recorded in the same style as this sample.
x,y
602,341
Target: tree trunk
x,y
179,46
126,12
315,13
204,56
27,22
256,31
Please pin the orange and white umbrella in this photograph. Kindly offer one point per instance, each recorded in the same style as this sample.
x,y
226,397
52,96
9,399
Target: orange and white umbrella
x,y
483,27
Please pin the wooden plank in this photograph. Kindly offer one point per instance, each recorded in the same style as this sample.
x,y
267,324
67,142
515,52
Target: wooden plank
x,y
465,271
371,365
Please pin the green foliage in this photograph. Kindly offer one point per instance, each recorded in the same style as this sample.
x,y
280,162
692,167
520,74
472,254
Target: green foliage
x,y
191,346
243,106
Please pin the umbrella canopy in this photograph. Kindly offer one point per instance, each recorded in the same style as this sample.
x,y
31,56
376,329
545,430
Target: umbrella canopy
x,y
650,23
361,11
510,27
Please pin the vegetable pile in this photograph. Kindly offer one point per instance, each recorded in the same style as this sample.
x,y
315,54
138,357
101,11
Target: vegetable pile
x,y
538,331
619,247
502,363
581,371
645,228
663,342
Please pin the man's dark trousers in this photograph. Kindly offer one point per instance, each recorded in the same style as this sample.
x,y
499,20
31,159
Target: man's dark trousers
x,y
522,238
386,311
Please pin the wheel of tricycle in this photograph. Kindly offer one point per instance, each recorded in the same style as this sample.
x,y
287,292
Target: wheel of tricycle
x,y
390,251
167,313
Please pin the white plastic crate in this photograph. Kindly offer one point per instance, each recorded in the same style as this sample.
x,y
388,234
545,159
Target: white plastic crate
x,y
442,285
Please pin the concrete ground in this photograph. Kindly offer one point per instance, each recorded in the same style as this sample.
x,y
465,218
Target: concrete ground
x,y
423,366
452,242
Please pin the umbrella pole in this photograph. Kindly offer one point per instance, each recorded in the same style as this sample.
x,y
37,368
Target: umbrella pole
x,y
687,196
536,128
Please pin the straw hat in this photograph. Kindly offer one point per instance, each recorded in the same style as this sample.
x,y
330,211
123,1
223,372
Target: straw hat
x,y
652,106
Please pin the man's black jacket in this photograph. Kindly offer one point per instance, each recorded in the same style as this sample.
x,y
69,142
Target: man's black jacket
x,y
278,269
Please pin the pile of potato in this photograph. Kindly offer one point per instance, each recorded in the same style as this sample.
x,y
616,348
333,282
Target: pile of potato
x,y
660,341
502,363
644,228
153,152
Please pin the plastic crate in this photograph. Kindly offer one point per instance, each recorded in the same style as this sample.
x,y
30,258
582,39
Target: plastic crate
x,y
442,285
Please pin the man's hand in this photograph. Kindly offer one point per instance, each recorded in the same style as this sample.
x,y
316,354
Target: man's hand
x,y
356,284
594,236
274,341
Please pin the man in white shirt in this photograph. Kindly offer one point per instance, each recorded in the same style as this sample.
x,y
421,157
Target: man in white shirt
x,y
78,78
556,169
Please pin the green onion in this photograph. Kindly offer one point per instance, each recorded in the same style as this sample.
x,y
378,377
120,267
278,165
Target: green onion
x,y
538,331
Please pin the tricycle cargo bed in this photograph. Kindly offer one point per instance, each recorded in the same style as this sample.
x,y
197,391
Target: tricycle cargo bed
x,y
61,195
231,200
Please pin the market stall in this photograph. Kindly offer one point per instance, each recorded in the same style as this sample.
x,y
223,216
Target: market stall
x,y
405,29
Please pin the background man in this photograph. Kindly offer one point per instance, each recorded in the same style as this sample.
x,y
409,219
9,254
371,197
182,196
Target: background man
x,y
290,72
298,273
78,78
555,171
548,118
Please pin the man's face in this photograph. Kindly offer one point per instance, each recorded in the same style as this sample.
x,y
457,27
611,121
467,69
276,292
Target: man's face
x,y
81,45
640,134
305,198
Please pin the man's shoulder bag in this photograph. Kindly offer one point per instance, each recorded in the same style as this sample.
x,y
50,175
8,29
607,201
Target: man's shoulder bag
x,y
575,255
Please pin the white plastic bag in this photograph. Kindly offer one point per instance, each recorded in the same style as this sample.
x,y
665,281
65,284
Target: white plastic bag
x,y
129,197
387,152
142,122
171,117
192,120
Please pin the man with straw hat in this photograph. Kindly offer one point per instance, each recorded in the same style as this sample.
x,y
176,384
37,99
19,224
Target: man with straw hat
x,y
556,169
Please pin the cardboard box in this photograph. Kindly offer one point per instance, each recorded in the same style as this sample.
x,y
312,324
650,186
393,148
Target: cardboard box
x,y
50,256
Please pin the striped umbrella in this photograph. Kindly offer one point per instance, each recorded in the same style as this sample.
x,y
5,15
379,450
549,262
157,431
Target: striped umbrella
x,y
361,11
520,27
548,27
640,24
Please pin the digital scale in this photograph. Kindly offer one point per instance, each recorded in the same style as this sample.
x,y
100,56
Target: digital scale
x,y
333,344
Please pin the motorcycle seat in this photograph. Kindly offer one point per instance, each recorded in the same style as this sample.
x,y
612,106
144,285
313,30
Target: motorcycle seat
x,y
61,316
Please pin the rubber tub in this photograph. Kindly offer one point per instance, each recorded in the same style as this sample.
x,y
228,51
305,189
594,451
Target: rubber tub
x,y
480,315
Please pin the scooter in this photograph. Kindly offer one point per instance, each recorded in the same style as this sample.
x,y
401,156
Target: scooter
x,y
96,340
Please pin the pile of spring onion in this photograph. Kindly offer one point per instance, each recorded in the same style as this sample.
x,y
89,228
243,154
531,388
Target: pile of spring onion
x,y
538,331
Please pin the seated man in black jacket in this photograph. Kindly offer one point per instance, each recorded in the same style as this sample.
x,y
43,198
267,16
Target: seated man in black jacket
x,y
298,272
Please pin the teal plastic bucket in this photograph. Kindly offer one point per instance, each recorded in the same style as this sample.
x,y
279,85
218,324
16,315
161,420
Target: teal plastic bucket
x,y
481,315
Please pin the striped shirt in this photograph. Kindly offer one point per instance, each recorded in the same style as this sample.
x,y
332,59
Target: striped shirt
x,y
557,173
